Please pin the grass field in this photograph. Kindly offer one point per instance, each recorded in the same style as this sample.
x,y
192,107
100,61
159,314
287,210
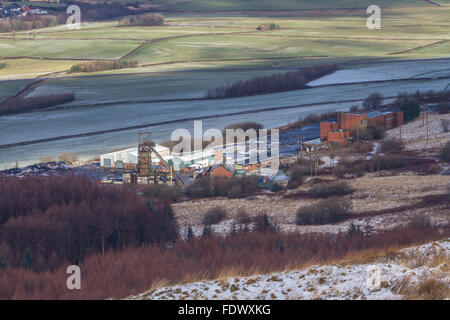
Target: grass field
x,y
8,88
410,29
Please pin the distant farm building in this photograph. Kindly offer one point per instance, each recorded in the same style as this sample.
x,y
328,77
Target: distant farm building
x,y
339,131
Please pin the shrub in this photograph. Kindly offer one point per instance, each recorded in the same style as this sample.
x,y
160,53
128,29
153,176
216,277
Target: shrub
x,y
276,188
362,147
243,219
445,124
214,216
392,145
2,65
263,224
324,212
445,152
328,189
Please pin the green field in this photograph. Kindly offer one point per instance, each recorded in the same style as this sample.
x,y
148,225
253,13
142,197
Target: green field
x,y
8,88
223,41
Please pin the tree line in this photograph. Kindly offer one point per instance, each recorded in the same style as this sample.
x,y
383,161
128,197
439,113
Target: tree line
x,y
102,65
30,22
19,104
294,80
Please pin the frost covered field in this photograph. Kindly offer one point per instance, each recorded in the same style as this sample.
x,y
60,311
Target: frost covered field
x,y
405,274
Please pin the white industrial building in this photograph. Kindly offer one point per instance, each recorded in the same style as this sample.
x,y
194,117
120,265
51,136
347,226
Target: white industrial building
x,y
119,158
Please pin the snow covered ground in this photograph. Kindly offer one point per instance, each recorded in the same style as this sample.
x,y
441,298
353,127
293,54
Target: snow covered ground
x,y
414,134
385,279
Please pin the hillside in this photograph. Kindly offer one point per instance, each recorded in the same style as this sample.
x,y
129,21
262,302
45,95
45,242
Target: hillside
x,y
420,272
265,5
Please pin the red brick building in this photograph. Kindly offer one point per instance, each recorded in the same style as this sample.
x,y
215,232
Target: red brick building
x,y
340,130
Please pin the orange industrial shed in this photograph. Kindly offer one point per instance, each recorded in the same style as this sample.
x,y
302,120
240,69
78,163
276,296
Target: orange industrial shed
x,y
340,130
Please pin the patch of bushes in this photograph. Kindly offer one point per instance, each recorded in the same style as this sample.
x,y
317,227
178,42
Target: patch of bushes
x,y
267,27
387,162
275,83
276,188
148,19
349,169
297,176
214,216
102,65
324,212
160,191
370,132
362,148
328,189
28,23
445,152
234,187
263,224
392,145
2,66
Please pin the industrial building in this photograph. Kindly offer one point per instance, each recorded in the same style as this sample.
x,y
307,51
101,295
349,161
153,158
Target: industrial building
x,y
339,131
128,158
150,163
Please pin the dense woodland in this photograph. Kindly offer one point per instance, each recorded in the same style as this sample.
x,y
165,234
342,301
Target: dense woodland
x,y
47,222
294,80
